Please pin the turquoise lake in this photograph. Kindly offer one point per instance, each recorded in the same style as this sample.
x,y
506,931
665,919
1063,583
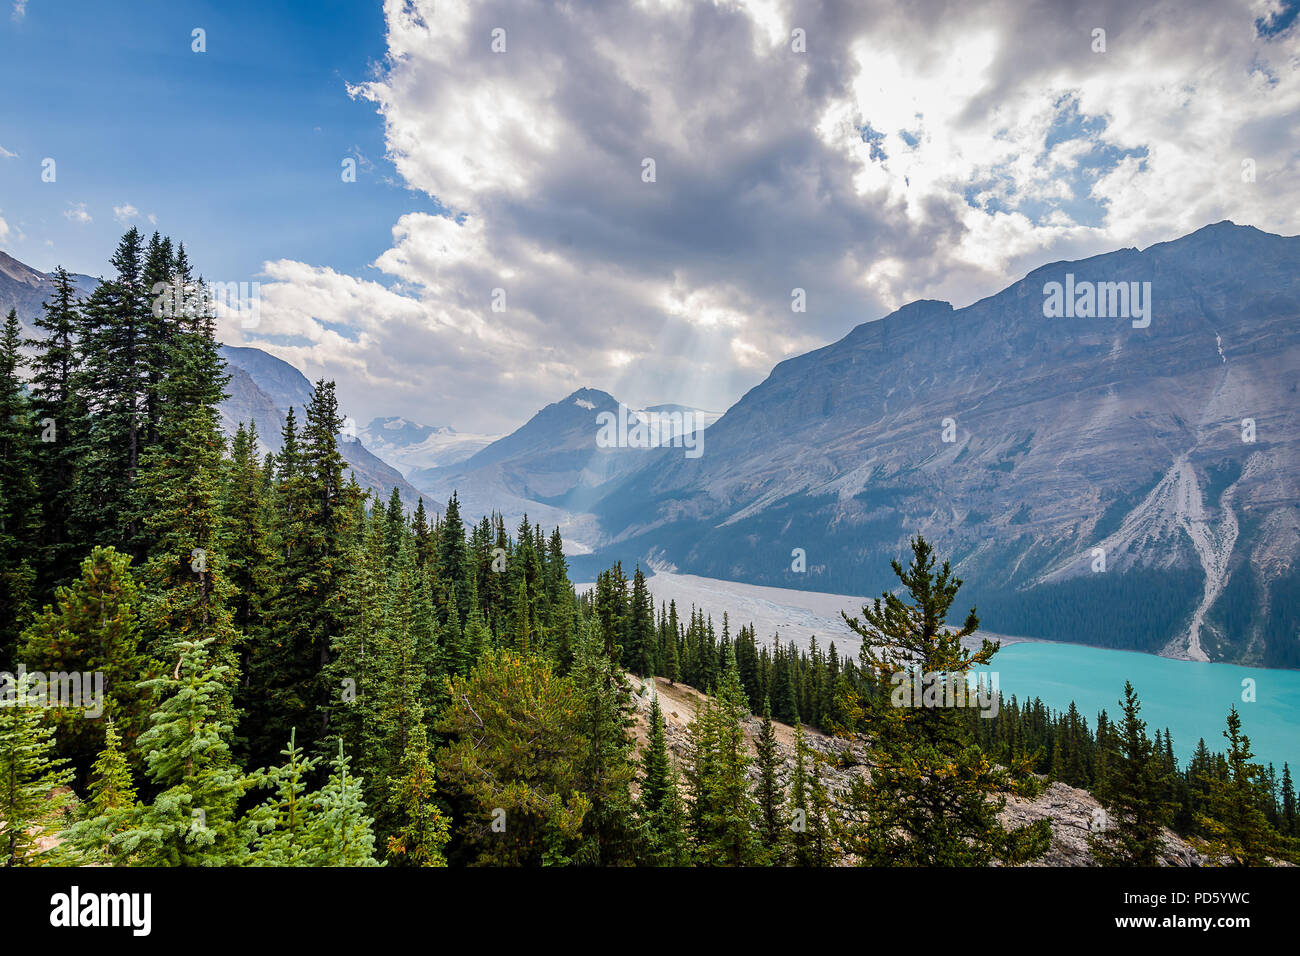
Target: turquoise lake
x,y
1188,697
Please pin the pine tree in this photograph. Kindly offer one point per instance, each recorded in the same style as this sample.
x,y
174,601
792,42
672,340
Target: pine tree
x,y
1236,827
58,413
20,511
934,796
191,821
33,780
111,804
605,770
1136,795
513,761
660,808
93,628
772,827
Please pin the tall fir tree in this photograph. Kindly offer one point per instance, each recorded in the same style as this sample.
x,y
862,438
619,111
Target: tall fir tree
x,y
1135,795
60,413
934,796
20,509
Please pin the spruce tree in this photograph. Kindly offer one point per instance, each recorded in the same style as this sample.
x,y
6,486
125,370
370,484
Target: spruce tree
x,y
934,796
1236,828
20,510
58,414
112,802
605,770
1135,795
33,781
191,821
772,827
660,807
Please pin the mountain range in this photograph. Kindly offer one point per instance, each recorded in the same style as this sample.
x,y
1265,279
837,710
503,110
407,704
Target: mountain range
x,y
1119,471
1092,480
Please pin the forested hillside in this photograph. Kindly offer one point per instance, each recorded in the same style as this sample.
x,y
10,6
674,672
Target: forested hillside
x,y
294,672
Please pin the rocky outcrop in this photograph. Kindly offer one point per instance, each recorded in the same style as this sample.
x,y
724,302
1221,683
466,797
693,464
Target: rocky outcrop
x,y
1072,812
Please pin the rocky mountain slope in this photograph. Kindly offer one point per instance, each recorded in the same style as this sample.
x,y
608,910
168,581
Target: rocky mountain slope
x,y
1020,445
1069,809
23,289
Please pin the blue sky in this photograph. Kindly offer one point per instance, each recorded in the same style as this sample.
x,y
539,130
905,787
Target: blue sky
x,y
237,150
900,150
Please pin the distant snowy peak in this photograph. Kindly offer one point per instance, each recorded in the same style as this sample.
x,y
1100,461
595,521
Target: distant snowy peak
x,y
410,445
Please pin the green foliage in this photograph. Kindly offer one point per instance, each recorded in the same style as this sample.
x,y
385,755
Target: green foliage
x,y
33,781
934,796
514,761
1135,795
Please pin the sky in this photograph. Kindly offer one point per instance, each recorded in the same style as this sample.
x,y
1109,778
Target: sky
x,y
504,242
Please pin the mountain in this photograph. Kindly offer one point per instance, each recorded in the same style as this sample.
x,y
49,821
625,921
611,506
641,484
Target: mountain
x,y
23,289
550,468
1018,444
411,446
263,387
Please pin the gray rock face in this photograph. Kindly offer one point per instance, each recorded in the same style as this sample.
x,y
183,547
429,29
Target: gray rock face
x,y
1018,444
24,289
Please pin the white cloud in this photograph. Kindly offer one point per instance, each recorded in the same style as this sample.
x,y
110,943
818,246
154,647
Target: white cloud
x,y
125,213
6,154
20,9
77,213
4,229
914,150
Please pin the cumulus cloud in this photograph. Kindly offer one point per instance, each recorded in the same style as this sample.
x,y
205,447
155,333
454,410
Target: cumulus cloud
x,y
918,149
76,212
125,213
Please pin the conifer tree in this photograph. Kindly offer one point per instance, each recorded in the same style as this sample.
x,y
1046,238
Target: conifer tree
x,y
20,512
33,780
605,770
723,809
660,808
58,413
1236,828
422,830
191,821
772,827
112,802
343,834
513,761
934,796
93,628
178,489
110,380
1136,795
